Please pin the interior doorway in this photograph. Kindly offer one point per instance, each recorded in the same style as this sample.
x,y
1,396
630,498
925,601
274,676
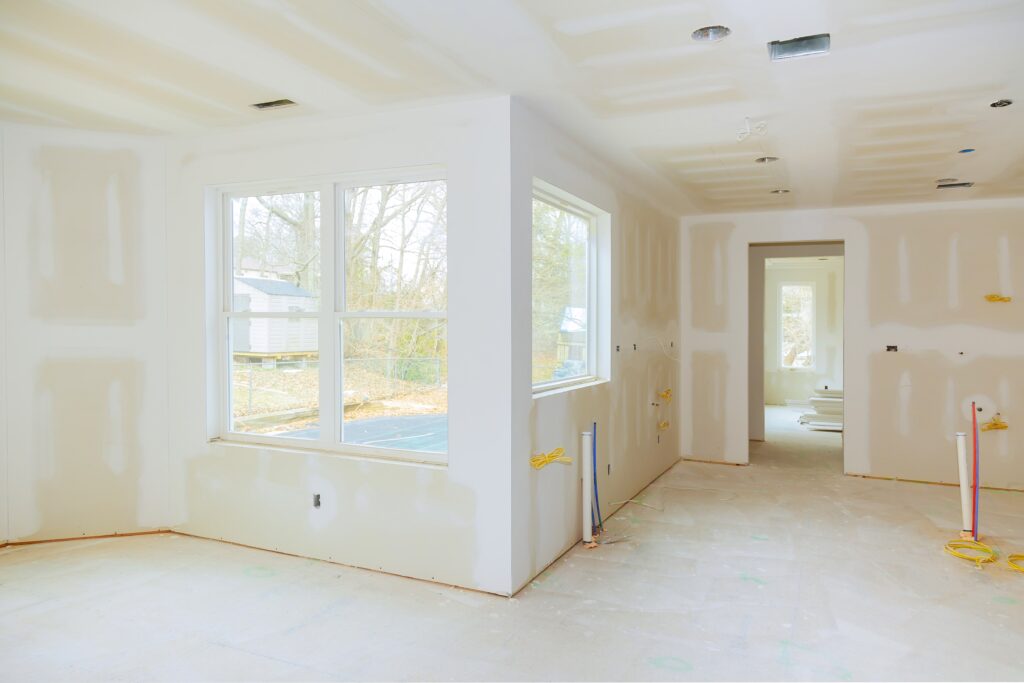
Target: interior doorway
x,y
796,354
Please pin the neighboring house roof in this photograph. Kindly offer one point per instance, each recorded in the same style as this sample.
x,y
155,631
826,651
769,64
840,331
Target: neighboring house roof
x,y
574,319
258,266
275,287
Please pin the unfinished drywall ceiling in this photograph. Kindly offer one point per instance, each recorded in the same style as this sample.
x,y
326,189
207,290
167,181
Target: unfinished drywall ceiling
x,y
878,120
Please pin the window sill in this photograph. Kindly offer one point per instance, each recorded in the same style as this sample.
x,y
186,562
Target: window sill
x,y
582,383
391,456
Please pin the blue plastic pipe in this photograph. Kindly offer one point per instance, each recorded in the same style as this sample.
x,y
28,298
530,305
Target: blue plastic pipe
x,y
597,500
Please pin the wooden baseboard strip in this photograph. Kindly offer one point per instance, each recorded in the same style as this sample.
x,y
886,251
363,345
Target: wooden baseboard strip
x,y
717,462
88,538
925,481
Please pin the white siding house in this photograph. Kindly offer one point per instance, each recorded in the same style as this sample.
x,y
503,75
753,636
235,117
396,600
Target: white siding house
x,y
273,336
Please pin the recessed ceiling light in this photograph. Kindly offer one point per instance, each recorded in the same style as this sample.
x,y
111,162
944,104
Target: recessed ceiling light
x,y
800,47
711,34
966,150
999,104
780,191
945,181
766,160
272,104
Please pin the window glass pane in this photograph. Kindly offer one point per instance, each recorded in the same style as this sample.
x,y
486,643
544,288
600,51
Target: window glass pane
x,y
560,288
275,380
396,383
276,252
796,311
395,247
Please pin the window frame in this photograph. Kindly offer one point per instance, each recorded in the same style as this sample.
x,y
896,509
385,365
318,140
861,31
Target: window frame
x,y
331,314
560,199
814,326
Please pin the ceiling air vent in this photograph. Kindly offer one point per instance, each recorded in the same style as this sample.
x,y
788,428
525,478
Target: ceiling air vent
x,y
950,186
800,47
272,104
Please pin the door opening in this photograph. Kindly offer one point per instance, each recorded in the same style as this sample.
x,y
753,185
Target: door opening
x,y
796,355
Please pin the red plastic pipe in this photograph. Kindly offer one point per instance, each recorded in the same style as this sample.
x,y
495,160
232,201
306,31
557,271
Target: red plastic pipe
x,y
974,437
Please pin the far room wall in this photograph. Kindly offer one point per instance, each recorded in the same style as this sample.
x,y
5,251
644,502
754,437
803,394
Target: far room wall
x,y
916,278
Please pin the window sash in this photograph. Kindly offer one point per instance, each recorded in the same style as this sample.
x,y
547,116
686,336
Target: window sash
x,y
590,218
330,315
783,316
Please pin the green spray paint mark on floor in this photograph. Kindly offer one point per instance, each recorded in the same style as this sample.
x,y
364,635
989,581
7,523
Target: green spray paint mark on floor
x,y
785,651
843,674
670,663
759,537
1005,600
753,579
258,572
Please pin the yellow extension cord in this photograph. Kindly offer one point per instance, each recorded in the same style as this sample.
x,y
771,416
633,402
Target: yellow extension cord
x,y
1012,560
987,554
544,459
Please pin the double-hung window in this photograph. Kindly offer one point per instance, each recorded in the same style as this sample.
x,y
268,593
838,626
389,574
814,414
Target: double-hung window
x,y
334,315
796,326
564,290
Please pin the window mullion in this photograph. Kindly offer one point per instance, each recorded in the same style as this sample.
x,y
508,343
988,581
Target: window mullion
x,y
227,266
325,327
339,307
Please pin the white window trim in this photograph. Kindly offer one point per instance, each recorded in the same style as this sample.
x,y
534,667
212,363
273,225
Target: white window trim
x,y
554,196
330,316
814,326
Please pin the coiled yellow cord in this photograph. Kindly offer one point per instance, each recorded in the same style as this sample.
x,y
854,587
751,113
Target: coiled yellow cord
x,y
995,423
987,554
666,395
1012,560
544,459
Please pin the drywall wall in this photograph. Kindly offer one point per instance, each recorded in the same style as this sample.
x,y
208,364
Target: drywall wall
x,y
916,278
448,523
756,320
782,384
4,532
638,258
84,284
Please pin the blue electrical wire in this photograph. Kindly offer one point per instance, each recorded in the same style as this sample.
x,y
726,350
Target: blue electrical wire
x,y
597,500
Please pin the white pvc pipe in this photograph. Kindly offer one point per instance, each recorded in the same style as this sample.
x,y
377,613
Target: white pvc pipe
x,y
587,470
965,480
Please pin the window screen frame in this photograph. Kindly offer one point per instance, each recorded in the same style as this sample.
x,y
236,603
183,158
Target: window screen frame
x,y
559,199
814,326
331,314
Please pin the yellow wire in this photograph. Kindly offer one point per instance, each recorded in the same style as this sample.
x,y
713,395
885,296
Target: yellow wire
x,y
1012,560
544,459
667,395
987,553
998,298
995,423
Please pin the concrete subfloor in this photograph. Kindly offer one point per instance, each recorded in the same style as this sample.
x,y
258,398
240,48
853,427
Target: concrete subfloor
x,y
785,569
